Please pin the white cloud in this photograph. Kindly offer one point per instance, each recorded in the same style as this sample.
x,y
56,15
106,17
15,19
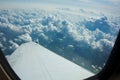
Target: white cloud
x,y
13,45
44,36
45,24
59,29
25,37
71,46
1,45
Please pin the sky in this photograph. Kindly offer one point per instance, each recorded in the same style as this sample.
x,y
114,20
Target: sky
x,y
106,5
88,3
106,2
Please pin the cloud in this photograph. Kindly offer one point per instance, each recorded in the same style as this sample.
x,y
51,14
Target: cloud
x,y
47,25
62,32
14,45
1,46
25,37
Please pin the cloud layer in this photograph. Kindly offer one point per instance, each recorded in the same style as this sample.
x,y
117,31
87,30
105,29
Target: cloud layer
x,y
74,37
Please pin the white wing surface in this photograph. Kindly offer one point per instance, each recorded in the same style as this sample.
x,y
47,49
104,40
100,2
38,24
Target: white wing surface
x,y
34,62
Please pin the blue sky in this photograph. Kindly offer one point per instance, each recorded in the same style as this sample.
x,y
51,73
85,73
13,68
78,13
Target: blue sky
x,y
106,2
111,5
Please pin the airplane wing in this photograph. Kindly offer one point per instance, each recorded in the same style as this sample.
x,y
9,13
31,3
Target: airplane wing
x,y
34,62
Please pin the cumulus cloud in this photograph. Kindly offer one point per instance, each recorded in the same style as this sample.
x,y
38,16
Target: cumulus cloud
x,y
71,46
65,34
14,45
1,45
25,37
45,25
